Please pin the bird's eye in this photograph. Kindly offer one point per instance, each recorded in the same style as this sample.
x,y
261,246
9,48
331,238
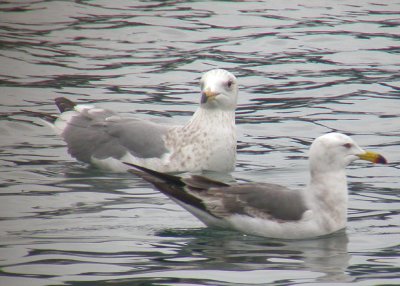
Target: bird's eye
x,y
229,83
347,145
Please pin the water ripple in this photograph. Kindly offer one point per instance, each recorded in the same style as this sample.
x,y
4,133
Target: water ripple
x,y
304,69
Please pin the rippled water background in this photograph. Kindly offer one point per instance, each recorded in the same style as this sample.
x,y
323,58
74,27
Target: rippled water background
x,y
304,67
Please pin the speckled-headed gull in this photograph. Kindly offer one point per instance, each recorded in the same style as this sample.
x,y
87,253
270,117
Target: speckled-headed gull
x,y
271,210
207,142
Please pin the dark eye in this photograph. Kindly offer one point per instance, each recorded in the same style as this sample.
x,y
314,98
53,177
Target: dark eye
x,y
347,145
229,83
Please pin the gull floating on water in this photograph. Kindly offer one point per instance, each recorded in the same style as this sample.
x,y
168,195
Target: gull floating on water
x,y
272,210
105,139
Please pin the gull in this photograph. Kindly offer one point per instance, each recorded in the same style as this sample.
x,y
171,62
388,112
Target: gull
x,y
272,210
104,139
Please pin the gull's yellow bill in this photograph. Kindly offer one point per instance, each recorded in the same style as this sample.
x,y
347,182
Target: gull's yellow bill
x,y
373,157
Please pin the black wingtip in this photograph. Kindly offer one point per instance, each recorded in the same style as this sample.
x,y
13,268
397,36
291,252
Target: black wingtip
x,y
64,104
170,185
154,175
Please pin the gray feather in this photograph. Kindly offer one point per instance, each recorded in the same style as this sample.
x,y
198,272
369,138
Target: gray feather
x,y
268,200
103,135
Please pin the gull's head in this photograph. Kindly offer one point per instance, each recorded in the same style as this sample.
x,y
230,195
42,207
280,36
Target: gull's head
x,y
334,151
219,89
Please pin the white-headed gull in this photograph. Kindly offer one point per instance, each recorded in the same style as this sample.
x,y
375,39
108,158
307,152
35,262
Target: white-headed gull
x,y
272,210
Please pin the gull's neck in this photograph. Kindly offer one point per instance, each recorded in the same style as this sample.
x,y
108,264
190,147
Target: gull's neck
x,y
215,116
328,198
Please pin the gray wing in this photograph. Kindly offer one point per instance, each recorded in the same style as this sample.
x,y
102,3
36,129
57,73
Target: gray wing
x,y
265,200
220,200
103,134
268,201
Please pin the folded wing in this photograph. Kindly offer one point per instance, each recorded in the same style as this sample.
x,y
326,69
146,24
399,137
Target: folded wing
x,y
100,133
221,201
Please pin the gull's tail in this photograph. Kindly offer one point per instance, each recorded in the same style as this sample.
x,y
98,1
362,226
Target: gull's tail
x,y
63,105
